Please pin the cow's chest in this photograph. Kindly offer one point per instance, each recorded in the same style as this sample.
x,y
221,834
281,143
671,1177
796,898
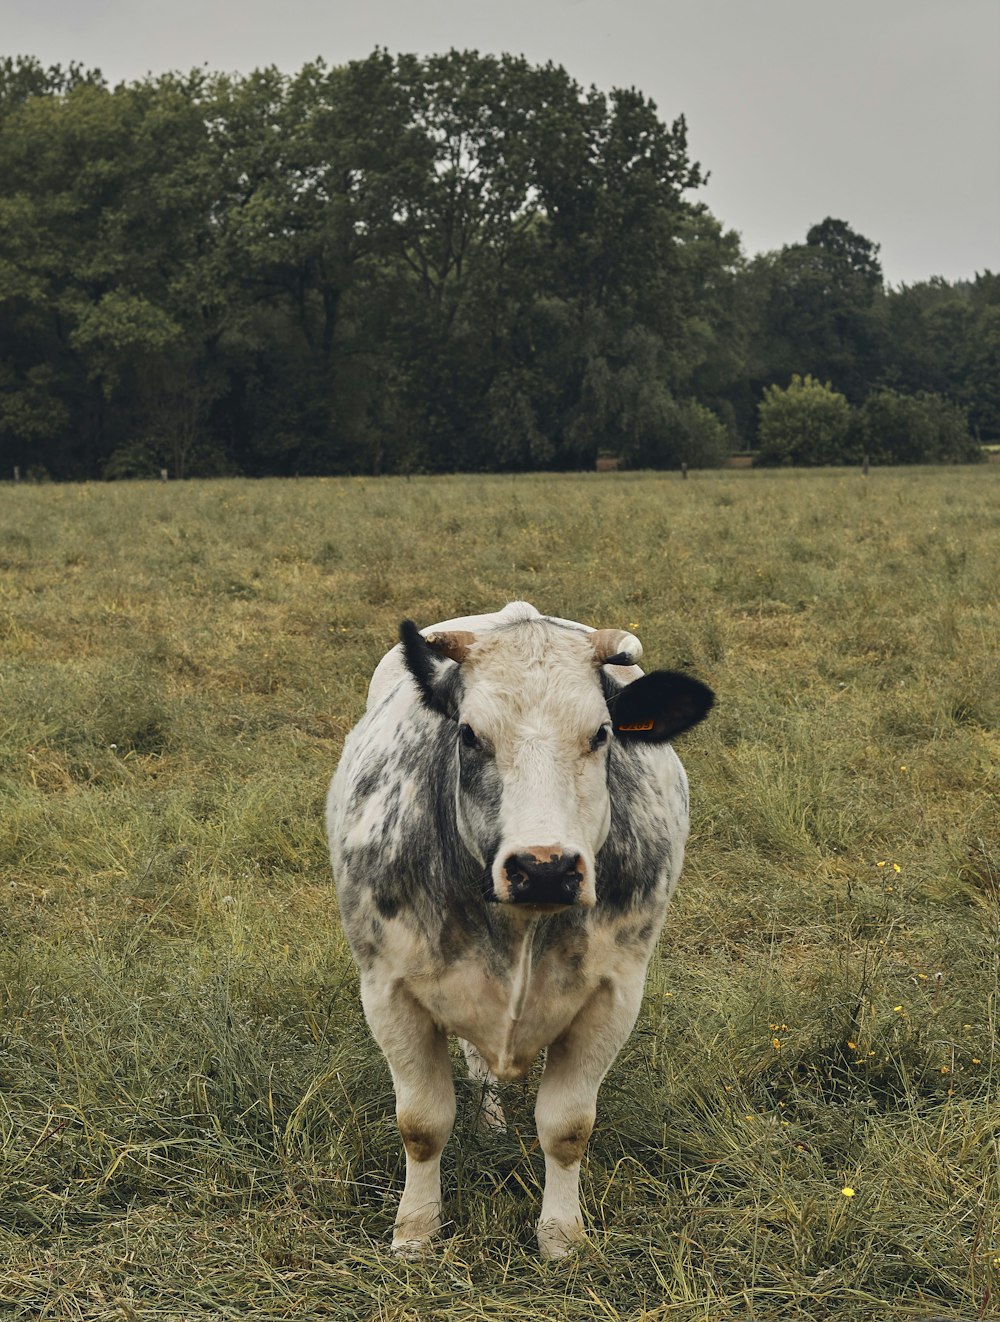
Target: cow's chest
x,y
512,1012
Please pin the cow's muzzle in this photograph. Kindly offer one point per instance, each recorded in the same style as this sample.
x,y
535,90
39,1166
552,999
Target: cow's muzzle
x,y
545,878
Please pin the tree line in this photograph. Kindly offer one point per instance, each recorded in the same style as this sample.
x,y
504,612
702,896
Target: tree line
x,y
460,262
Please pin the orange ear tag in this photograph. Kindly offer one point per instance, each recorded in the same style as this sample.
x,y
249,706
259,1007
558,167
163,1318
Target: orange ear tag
x,y
641,725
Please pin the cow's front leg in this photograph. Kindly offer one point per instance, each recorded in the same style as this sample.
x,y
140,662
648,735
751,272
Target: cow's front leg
x,y
567,1105
417,1053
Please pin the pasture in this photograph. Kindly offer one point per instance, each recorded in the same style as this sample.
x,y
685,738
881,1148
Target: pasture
x,y
194,1121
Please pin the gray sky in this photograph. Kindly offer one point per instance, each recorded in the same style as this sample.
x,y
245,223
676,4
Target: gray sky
x,y
883,113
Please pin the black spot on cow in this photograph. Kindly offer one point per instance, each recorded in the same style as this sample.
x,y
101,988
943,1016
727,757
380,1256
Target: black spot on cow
x,y
565,936
457,933
409,756
365,952
481,784
635,935
366,783
391,810
387,899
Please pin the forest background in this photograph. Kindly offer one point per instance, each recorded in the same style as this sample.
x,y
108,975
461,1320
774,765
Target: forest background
x,y
407,264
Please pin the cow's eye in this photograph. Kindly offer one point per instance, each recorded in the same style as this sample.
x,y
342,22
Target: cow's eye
x,y
599,737
468,736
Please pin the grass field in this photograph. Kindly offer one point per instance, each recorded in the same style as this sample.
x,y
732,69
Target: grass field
x,y
194,1121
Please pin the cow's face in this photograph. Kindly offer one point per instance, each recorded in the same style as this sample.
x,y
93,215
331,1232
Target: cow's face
x,y
533,727
533,736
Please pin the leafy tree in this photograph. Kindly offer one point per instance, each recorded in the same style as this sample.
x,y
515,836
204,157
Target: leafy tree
x,y
813,305
850,256
22,77
926,328
945,339
806,423
458,261
531,227
403,263
620,303
980,388
108,220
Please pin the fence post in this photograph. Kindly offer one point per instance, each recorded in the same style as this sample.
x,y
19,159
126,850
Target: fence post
x,y
684,471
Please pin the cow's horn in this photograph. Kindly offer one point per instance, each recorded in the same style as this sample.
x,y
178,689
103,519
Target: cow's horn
x,y
454,645
615,647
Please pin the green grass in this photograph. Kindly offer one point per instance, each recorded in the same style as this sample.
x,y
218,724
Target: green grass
x,y
194,1122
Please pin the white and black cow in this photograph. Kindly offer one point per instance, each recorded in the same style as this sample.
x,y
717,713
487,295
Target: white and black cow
x,y
507,824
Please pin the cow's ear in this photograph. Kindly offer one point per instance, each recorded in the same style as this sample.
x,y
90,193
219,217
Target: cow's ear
x,y
433,672
659,706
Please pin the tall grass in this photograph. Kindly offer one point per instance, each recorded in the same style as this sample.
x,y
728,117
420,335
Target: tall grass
x,y
194,1122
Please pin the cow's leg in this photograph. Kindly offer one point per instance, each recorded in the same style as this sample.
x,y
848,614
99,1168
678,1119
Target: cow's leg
x,y
417,1053
567,1105
491,1114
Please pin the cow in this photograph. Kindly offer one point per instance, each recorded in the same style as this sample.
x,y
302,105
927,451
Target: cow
x,y
507,825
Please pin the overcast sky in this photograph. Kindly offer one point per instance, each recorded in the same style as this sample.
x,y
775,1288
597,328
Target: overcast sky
x,y
883,113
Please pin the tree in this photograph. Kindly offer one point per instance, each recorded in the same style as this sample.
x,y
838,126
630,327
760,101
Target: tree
x,y
520,228
109,218
945,339
813,307
22,77
850,256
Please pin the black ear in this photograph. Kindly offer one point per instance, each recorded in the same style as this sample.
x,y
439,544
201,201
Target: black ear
x,y
435,677
659,706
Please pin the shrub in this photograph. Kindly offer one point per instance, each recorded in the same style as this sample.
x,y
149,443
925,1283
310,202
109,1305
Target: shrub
x,y
807,423
916,429
682,431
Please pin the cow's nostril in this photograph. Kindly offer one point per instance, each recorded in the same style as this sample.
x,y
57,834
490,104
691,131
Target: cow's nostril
x,y
543,876
516,875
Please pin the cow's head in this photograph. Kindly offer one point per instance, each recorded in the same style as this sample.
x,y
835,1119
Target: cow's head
x,y
533,718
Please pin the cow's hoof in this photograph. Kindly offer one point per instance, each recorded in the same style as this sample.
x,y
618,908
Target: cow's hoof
x,y
558,1240
413,1236
410,1249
